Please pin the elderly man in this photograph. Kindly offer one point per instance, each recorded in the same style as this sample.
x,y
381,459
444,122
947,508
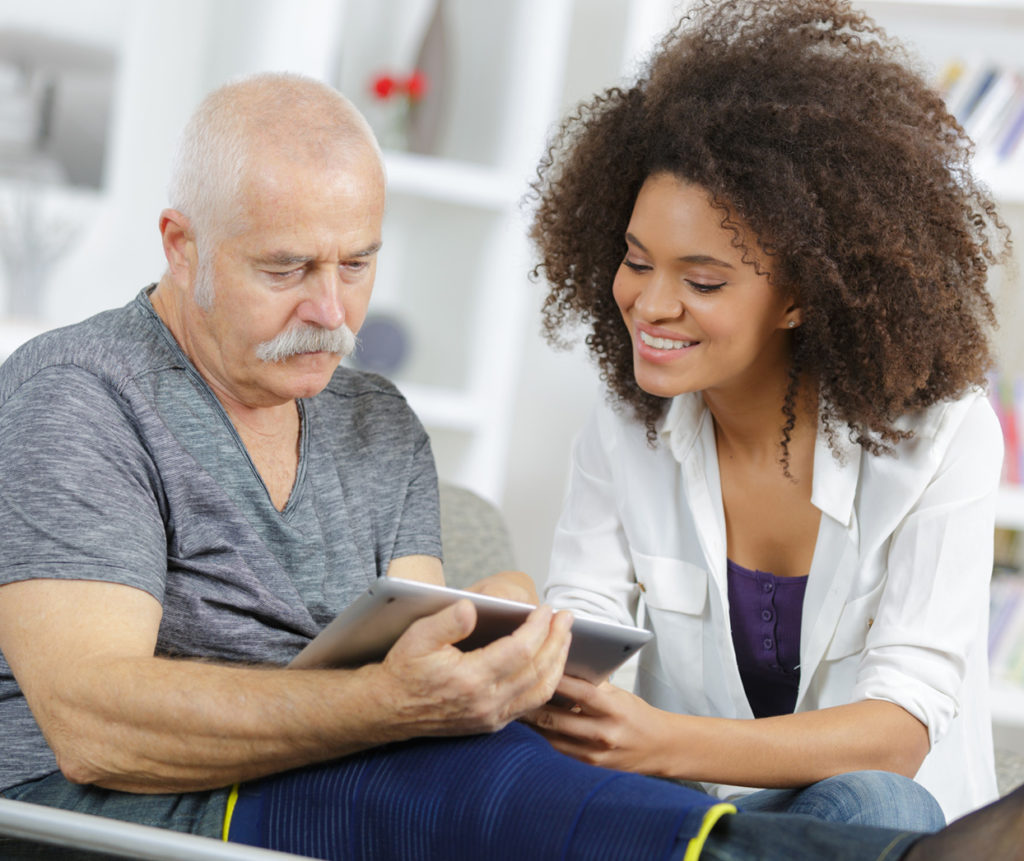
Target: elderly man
x,y
192,488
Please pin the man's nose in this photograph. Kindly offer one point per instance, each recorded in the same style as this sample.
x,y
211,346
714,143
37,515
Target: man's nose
x,y
324,305
660,298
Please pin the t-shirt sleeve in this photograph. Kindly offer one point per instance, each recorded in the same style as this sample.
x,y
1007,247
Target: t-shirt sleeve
x,y
79,496
419,527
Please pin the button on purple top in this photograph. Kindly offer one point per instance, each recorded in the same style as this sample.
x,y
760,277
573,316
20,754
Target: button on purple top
x,y
765,613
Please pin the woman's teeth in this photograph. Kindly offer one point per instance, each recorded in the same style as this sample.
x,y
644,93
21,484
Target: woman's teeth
x,y
664,343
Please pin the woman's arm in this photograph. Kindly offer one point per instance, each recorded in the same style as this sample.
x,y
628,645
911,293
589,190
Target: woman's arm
x,y
616,729
910,672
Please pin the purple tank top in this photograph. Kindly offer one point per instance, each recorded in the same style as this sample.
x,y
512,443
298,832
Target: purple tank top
x,y
765,613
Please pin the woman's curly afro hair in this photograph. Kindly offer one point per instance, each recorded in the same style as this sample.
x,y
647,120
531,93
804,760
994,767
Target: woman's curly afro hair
x,y
807,124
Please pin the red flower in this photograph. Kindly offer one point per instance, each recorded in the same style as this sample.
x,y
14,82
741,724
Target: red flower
x,y
416,85
384,86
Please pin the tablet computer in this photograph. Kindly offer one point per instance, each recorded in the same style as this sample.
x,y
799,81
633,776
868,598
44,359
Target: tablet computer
x,y
365,630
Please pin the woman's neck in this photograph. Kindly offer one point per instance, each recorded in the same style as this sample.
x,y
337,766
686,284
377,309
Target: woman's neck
x,y
750,427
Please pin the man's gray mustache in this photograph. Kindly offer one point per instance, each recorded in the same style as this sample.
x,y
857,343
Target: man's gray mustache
x,y
307,339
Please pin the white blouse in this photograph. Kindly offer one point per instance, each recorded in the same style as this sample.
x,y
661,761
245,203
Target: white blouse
x,y
896,606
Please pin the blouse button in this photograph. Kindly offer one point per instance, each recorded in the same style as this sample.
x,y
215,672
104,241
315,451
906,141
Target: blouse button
x,y
767,642
766,615
768,587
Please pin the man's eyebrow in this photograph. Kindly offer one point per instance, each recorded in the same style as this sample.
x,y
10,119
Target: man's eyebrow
x,y
369,251
283,258
286,258
699,259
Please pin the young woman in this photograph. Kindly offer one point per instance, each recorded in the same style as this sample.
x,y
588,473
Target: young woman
x,y
780,253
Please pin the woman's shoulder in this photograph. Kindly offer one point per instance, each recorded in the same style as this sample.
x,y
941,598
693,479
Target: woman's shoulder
x,y
969,417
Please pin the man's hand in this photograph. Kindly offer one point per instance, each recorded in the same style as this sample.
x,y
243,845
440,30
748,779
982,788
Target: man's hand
x,y
434,688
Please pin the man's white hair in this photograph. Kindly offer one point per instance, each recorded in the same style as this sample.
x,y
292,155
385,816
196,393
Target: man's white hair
x,y
279,113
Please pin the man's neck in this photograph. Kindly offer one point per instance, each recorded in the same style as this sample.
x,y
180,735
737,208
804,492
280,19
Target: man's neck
x,y
270,433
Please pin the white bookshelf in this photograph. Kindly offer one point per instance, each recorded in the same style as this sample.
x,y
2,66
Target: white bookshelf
x,y
1010,507
1008,715
1007,697
968,30
454,271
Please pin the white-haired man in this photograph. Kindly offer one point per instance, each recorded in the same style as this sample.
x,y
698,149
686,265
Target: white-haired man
x,y
192,488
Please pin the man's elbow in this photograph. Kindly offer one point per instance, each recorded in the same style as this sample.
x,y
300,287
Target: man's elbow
x,y
78,769
79,757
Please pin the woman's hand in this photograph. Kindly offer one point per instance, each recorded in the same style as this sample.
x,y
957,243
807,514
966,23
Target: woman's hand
x,y
604,725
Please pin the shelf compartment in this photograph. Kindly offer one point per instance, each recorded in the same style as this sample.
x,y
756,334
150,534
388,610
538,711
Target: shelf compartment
x,y
1010,507
450,181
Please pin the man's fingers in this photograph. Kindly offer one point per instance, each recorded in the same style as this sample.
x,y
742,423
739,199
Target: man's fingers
x,y
448,626
539,646
529,671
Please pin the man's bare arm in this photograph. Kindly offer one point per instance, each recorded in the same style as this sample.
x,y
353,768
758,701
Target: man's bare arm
x,y
512,585
119,717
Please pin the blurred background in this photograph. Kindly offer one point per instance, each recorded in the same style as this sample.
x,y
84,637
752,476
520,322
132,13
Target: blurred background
x,y
463,94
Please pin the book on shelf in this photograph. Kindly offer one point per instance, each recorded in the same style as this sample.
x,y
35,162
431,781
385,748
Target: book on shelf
x,y
988,101
1006,393
1006,627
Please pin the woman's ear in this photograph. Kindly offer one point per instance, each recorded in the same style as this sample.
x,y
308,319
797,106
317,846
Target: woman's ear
x,y
794,316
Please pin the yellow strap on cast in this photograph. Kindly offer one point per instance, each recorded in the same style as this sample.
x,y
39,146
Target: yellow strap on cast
x,y
229,812
713,814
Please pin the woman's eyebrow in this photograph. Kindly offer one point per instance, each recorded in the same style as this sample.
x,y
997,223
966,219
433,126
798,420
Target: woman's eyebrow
x,y
699,259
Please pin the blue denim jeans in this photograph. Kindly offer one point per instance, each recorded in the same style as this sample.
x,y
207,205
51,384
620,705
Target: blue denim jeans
x,y
877,798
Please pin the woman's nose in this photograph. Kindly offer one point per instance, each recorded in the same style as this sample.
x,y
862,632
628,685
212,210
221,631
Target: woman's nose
x,y
659,299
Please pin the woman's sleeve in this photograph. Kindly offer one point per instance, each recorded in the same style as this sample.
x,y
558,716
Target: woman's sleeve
x,y
590,569
934,607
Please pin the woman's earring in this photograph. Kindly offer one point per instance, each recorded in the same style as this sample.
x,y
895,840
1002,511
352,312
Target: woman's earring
x,y
792,324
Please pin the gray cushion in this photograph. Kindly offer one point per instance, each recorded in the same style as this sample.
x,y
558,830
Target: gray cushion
x,y
473,535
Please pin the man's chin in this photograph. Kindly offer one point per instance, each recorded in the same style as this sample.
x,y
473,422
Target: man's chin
x,y
308,373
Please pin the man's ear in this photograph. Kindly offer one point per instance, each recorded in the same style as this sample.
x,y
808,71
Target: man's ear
x,y
179,245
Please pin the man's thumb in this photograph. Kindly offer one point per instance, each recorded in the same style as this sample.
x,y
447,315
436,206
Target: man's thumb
x,y
450,625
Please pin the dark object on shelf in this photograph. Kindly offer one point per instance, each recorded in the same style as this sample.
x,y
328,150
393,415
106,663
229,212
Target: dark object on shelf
x,y
383,345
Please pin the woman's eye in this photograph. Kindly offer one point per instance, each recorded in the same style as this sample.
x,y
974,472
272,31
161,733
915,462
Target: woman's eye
x,y
702,287
636,267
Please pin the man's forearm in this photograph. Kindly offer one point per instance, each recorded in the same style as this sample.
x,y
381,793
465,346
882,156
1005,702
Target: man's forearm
x,y
119,717
155,725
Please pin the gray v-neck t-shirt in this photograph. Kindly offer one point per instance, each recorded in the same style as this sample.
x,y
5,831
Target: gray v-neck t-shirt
x,y
119,464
